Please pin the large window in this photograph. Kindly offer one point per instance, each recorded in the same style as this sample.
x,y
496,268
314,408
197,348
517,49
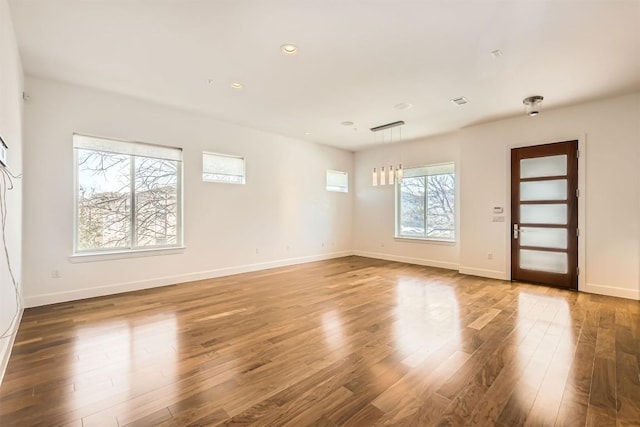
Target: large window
x,y
426,203
128,195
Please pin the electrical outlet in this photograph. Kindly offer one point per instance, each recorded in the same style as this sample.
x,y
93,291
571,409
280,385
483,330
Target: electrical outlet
x,y
489,255
55,274
257,250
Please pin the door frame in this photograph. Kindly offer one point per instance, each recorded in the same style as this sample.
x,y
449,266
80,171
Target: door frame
x,y
582,187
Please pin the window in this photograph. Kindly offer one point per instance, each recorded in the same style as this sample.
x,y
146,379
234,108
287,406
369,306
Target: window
x,y
222,168
128,195
337,181
426,203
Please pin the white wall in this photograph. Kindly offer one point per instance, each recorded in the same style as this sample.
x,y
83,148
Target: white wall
x,y
610,131
11,130
284,202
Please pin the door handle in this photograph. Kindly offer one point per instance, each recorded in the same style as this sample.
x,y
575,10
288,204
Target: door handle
x,y
515,231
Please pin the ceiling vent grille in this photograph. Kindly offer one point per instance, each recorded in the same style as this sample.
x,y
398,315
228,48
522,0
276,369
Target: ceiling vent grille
x,y
460,101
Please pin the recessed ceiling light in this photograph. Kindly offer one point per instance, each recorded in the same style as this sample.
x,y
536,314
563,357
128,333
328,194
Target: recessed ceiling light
x,y
403,106
460,100
347,123
496,53
307,133
237,85
289,49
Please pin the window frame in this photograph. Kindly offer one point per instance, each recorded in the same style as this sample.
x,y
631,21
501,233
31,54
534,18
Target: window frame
x,y
232,156
335,189
398,207
133,250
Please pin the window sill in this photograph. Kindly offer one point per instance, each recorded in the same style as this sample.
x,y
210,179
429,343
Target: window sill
x,y
426,240
136,253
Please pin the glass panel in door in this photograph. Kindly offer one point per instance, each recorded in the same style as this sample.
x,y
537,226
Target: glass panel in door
x,y
543,166
542,237
543,190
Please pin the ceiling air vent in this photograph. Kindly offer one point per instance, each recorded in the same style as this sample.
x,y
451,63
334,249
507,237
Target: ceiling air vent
x,y
460,101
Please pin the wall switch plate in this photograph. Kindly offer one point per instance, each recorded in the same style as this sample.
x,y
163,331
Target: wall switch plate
x,y
498,219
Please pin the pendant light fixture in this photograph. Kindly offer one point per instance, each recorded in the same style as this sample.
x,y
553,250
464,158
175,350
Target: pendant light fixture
x,y
394,174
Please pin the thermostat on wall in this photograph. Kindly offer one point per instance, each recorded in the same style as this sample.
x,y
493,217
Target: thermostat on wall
x,y
497,209
3,152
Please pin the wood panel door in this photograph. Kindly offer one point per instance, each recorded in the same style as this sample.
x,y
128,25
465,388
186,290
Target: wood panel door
x,y
544,214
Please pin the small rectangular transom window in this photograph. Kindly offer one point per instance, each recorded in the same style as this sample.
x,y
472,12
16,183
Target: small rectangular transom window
x,y
337,181
223,168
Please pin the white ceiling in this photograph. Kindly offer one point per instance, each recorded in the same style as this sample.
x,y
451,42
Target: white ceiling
x,y
357,58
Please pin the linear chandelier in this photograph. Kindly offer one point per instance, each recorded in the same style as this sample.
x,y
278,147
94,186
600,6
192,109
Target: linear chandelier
x,y
391,175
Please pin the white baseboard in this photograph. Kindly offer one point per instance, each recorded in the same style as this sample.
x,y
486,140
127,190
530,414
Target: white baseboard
x,y
408,260
491,274
611,291
6,345
53,298
77,294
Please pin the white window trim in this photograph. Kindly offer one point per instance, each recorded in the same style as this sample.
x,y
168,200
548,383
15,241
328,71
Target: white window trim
x,y
433,240
444,242
90,255
135,253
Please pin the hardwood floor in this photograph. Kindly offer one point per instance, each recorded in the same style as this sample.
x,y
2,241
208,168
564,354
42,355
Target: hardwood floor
x,y
352,341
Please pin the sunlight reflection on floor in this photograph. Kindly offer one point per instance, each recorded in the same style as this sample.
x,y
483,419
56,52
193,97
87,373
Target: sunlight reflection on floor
x,y
427,315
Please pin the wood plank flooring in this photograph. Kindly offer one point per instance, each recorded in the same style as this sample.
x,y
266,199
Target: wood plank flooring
x,y
351,341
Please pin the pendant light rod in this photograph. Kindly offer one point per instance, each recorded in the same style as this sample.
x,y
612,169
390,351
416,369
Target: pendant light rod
x,y
387,126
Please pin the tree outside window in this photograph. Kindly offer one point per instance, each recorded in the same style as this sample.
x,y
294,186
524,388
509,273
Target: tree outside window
x,y
426,203
126,201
